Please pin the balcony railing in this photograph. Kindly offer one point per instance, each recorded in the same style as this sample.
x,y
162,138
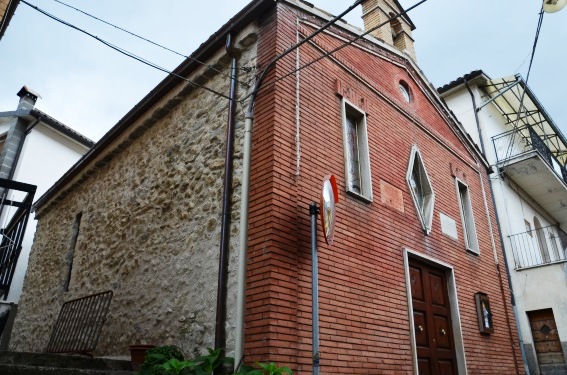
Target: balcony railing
x,y
538,247
524,140
12,236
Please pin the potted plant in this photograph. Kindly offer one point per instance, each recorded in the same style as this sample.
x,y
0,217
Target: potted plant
x,y
138,354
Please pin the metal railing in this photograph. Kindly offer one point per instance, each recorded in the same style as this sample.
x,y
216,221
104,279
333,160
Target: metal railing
x,y
12,235
79,324
539,247
523,140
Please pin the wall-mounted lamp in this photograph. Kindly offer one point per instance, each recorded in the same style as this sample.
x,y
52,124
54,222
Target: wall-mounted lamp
x,y
552,6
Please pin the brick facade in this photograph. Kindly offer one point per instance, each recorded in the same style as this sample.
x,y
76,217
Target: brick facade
x,y
365,326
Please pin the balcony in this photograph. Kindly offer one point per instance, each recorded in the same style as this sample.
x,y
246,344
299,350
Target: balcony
x,y
536,163
539,247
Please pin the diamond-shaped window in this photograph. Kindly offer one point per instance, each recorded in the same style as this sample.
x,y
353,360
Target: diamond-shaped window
x,y
421,189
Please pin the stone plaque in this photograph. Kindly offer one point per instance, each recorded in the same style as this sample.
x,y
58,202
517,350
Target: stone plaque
x,y
448,226
392,196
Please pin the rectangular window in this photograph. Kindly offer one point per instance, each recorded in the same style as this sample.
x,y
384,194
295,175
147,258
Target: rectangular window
x,y
467,217
357,158
71,253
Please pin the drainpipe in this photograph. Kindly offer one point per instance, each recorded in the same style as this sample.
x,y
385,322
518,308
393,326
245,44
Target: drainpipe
x,y
514,308
220,329
242,256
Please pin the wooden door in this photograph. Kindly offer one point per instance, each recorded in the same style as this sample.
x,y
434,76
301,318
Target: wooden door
x,y
432,320
546,342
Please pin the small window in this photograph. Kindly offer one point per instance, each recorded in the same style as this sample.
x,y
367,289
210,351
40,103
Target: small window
x,y
405,90
71,253
467,218
420,189
357,159
395,26
528,227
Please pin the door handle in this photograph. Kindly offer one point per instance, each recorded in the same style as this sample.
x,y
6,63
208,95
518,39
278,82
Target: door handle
x,y
443,332
419,328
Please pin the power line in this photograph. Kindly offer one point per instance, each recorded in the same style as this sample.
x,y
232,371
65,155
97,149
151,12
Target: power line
x,y
358,37
150,41
521,106
124,52
262,75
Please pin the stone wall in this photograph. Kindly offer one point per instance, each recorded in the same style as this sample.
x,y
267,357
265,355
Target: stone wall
x,y
150,225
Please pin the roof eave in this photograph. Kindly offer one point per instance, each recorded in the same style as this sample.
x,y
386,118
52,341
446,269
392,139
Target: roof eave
x,y
203,52
5,21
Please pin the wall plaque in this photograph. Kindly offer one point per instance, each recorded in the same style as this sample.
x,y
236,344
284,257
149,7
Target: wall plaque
x,y
448,226
392,196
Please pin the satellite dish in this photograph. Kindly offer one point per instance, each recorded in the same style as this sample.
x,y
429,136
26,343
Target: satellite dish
x,y
552,6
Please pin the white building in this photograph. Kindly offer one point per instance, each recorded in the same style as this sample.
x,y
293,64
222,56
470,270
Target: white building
x,y
529,184
35,149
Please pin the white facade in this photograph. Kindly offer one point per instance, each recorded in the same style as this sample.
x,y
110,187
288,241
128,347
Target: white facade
x,y
529,191
46,155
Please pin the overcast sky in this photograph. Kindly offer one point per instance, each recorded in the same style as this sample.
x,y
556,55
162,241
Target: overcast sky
x,y
89,87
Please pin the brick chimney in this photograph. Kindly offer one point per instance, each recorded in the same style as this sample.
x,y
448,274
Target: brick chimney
x,y
397,32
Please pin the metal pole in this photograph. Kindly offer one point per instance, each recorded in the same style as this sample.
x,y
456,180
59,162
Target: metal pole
x,y
313,211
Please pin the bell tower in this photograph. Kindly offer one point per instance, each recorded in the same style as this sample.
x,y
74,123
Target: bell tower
x,y
396,32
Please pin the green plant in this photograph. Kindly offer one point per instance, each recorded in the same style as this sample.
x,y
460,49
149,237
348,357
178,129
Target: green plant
x,y
176,367
168,360
158,356
265,369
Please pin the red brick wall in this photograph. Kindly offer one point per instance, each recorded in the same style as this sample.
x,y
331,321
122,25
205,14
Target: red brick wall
x,y
364,320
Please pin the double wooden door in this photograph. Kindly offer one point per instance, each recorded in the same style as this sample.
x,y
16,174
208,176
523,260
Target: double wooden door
x,y
432,320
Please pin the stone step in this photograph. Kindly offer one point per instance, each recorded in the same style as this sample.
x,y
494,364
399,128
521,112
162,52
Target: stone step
x,y
8,369
51,362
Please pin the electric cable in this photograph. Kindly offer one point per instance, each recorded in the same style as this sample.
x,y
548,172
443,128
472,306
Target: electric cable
x,y
125,52
152,42
262,75
358,37
521,106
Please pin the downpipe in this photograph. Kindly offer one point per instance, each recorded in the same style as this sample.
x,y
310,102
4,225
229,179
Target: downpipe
x,y
220,322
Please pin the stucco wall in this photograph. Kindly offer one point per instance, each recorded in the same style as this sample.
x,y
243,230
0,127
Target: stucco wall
x,y
150,225
34,168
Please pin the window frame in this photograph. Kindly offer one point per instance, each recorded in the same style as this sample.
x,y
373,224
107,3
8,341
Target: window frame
x,y
425,218
405,91
352,111
468,224
70,257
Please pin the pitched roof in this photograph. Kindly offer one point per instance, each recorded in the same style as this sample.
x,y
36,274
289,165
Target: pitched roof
x,y
37,115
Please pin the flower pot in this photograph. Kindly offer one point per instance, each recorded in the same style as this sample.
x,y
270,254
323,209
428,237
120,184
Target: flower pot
x,y
138,354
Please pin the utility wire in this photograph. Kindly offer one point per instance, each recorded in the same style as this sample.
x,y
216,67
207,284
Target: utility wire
x,y
521,107
151,42
358,37
264,72
125,52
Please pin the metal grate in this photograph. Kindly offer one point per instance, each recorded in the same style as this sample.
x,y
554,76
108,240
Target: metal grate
x,y
79,324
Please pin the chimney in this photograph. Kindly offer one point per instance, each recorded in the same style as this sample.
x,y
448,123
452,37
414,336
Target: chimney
x,y
27,98
396,32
